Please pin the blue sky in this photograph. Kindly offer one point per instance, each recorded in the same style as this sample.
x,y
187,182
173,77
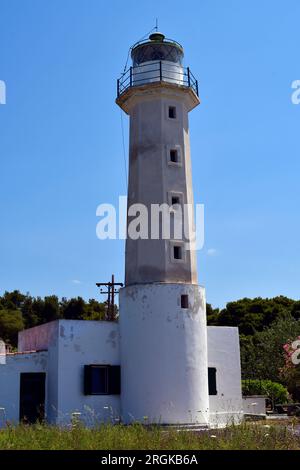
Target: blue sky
x,y
61,143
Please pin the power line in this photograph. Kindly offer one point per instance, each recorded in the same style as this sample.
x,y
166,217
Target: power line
x,y
111,291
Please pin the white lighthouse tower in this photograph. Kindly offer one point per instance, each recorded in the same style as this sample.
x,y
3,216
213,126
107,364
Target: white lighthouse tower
x,y
162,307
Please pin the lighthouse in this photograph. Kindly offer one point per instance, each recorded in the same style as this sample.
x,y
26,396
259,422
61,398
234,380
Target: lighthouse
x,y
160,363
162,308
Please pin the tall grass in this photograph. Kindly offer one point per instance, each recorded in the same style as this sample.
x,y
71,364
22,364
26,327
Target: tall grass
x,y
119,437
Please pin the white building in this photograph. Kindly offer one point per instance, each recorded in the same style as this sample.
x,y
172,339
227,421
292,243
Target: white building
x,y
160,363
73,366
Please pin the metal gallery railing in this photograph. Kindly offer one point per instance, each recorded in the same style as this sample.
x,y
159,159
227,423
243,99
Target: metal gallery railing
x,y
159,71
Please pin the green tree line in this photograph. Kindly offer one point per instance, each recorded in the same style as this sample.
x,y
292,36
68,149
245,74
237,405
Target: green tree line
x,y
265,325
20,311
254,315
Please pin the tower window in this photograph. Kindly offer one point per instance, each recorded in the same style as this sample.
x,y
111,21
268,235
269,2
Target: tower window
x,y
177,251
101,380
175,200
172,112
174,156
212,381
184,301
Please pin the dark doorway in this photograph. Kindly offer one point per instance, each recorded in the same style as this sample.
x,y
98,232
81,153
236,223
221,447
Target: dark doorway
x,y
32,397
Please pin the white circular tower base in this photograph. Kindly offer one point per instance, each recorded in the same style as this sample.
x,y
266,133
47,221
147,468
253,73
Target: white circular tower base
x,y
164,354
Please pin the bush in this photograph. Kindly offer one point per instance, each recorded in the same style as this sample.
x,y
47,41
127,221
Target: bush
x,y
276,392
11,322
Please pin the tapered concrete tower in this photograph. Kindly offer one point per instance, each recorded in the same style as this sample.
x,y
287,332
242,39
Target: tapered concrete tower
x,y
162,308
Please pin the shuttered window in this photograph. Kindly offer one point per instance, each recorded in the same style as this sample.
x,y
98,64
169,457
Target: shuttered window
x,y
102,380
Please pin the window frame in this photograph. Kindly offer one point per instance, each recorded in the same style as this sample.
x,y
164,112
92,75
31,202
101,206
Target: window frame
x,y
112,383
181,244
172,104
179,196
178,150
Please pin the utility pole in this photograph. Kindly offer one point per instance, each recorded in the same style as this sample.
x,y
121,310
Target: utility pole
x,y
111,291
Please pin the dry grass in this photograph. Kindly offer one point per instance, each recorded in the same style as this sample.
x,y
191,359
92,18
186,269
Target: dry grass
x,y
107,437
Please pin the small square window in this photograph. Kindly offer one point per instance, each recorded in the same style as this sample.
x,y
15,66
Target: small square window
x,y
175,200
177,250
174,156
184,301
172,112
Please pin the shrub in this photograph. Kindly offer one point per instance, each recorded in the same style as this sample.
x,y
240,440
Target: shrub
x,y
276,392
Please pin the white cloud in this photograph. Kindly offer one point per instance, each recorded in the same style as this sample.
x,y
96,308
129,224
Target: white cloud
x,y
75,281
212,252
